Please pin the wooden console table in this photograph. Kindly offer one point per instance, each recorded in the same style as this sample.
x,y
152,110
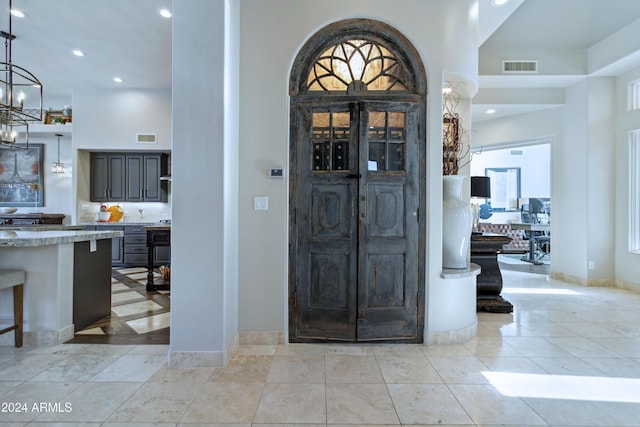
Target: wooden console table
x,y
485,248
157,235
30,219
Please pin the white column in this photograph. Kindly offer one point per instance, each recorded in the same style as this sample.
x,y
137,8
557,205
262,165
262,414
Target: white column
x,y
204,180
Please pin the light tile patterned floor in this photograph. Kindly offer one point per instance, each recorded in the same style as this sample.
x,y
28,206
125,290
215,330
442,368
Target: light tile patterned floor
x,y
137,316
567,356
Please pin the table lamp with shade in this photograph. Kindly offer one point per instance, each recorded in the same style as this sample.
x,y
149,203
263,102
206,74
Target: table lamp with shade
x,y
480,189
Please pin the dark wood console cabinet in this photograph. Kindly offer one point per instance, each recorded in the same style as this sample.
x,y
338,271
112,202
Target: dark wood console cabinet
x,y
30,219
157,236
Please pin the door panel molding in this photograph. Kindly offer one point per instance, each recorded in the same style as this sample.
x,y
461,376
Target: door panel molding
x,y
357,235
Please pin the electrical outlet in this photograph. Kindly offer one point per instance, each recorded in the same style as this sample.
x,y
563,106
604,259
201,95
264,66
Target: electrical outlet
x,y
592,265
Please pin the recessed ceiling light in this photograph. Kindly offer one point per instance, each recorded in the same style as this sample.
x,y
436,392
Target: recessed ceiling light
x,y
118,79
499,2
490,111
17,13
77,52
165,13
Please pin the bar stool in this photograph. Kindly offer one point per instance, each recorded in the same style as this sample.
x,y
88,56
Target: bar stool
x,y
14,279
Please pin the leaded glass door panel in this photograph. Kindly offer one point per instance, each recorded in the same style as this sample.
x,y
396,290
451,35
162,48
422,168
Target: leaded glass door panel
x,y
356,223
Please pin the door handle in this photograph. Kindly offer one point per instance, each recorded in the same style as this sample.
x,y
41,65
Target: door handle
x,y
353,207
364,207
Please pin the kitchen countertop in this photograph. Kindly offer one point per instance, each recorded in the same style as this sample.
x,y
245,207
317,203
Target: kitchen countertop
x,y
31,215
22,238
120,223
158,227
39,227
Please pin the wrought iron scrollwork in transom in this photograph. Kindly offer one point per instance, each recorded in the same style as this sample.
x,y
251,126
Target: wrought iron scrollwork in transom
x,y
357,66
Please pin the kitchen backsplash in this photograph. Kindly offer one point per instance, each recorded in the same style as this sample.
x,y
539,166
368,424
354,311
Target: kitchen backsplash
x,y
133,212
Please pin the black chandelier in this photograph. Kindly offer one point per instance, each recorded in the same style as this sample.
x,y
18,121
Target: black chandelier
x,y
16,85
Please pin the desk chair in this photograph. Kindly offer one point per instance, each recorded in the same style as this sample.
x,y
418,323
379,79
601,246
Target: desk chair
x,y
542,241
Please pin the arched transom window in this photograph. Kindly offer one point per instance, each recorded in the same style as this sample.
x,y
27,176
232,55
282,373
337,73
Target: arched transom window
x,y
357,66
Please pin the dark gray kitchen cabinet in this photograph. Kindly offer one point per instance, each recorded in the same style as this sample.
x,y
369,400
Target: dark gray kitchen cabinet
x,y
135,245
117,248
136,251
129,177
131,250
143,172
117,243
107,177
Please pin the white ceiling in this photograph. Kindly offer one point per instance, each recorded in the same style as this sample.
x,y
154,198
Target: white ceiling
x,y
563,24
129,39
125,38
552,31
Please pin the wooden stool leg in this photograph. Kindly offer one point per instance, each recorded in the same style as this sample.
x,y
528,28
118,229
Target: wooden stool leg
x,y
17,313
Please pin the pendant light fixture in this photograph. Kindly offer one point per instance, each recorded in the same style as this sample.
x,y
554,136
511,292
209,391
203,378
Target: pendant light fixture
x,y
17,84
58,167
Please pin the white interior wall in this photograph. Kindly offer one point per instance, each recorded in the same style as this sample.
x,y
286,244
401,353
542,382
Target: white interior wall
x,y
570,219
267,54
535,172
57,187
582,134
601,180
231,162
109,120
521,130
627,265
202,308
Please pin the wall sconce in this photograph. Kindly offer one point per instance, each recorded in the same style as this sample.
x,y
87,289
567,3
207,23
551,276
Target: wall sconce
x,y
58,167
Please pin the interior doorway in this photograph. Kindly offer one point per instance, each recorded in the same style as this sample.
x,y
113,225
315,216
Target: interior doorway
x,y
532,162
357,197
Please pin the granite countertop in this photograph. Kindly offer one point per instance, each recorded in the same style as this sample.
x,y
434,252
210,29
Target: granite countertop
x,y
39,227
31,215
120,223
21,238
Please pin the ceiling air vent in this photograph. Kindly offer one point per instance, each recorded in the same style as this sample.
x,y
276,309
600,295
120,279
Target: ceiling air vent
x,y
519,66
147,138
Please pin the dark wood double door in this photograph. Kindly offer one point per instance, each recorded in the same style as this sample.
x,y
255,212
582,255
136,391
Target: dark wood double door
x,y
354,248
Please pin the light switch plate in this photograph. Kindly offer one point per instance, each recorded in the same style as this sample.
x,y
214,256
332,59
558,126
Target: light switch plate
x,y
260,203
